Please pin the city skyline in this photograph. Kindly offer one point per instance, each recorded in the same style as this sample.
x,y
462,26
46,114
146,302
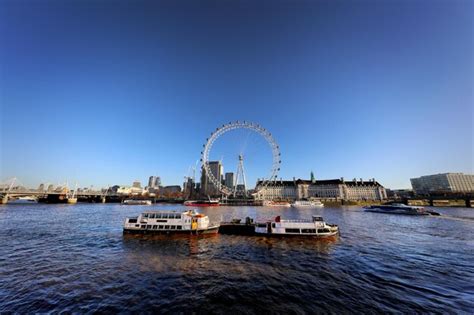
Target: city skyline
x,y
345,91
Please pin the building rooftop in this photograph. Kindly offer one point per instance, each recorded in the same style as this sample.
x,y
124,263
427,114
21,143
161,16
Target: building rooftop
x,y
321,182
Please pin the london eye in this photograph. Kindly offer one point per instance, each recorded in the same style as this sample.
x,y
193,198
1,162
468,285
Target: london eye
x,y
267,172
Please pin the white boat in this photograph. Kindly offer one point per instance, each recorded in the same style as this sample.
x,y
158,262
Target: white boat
x,y
269,203
315,227
23,200
136,202
170,222
307,204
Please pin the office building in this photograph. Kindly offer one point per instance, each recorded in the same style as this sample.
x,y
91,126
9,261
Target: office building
x,y
229,180
207,187
443,183
154,182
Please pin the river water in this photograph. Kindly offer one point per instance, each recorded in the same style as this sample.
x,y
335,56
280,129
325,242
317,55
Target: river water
x,y
74,258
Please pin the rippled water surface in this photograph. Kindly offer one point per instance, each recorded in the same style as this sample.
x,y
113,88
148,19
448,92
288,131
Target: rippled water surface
x,y
74,258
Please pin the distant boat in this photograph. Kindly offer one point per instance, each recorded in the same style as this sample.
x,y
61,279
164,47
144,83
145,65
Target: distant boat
x,y
269,203
307,204
202,203
137,202
398,208
23,200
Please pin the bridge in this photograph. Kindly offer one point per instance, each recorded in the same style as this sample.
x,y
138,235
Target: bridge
x,y
12,189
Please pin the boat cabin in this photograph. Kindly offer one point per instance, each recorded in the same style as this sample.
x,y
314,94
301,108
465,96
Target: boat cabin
x,y
168,221
316,226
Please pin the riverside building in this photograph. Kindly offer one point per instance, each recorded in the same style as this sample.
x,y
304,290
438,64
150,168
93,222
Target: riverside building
x,y
337,189
443,183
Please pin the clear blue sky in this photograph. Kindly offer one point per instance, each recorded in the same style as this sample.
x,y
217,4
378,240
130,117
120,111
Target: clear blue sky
x,y
106,92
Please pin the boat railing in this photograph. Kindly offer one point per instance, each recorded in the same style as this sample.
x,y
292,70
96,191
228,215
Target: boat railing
x,y
297,221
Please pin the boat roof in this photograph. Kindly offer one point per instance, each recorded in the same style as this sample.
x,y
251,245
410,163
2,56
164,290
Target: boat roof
x,y
193,211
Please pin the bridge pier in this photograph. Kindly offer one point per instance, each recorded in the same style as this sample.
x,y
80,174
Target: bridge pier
x,y
4,200
468,203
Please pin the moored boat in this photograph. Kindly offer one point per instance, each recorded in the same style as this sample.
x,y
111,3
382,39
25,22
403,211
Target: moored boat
x,y
307,204
137,202
315,227
398,208
202,203
24,200
274,203
170,222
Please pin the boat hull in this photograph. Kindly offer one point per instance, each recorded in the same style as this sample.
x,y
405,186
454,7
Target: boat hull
x,y
306,207
211,230
333,234
401,212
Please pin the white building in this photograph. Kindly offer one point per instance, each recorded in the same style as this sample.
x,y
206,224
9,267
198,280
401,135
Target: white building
x,y
443,183
127,190
336,189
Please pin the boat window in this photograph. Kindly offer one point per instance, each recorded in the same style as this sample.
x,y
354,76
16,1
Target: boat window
x,y
261,225
145,215
177,216
167,227
178,227
155,227
158,216
173,227
161,220
308,230
160,227
152,216
317,219
137,225
164,215
292,231
132,220
148,227
323,231
273,225
143,226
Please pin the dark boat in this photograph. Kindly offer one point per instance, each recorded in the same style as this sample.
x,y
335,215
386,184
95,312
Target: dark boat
x,y
398,208
202,203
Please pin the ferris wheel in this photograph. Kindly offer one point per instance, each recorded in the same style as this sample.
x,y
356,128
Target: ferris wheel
x,y
259,130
